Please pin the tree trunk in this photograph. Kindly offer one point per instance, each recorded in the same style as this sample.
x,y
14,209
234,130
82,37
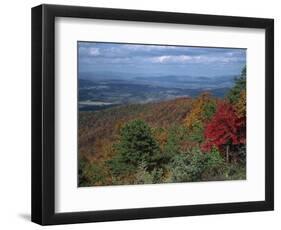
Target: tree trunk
x,y
227,153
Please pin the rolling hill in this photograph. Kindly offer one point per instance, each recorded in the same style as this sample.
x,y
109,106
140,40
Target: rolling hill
x,y
98,130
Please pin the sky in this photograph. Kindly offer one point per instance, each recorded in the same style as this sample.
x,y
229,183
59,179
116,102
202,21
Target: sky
x,y
158,60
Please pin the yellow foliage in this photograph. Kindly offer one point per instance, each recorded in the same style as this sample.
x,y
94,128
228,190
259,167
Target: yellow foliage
x,y
197,113
107,150
240,106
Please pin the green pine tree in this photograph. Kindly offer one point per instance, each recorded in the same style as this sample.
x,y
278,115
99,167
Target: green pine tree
x,y
137,144
240,84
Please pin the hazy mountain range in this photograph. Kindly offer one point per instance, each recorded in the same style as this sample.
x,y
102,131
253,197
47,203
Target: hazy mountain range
x,y
99,91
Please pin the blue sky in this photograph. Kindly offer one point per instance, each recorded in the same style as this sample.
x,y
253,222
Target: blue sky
x,y
157,60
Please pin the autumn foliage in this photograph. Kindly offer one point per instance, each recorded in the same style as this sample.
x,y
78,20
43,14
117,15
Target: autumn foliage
x,y
225,128
203,107
179,140
240,106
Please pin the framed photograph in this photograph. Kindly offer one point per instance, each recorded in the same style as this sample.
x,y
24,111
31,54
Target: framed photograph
x,y
142,114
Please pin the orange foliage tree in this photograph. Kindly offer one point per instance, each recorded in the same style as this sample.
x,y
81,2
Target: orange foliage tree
x,y
203,108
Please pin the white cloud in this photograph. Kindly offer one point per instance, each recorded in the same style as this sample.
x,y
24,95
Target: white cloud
x,y
171,59
94,51
148,47
194,59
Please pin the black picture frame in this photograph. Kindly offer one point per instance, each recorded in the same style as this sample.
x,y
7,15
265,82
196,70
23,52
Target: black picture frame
x,y
43,114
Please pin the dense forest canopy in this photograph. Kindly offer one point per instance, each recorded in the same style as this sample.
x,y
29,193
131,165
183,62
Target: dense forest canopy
x,y
180,140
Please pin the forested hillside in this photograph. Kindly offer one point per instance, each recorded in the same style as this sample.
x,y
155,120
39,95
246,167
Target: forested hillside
x,y
180,140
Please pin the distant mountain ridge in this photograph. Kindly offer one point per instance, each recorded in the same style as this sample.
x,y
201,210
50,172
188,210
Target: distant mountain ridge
x,y
102,94
171,81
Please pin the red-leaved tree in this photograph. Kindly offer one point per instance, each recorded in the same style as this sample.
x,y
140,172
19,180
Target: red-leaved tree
x,y
225,129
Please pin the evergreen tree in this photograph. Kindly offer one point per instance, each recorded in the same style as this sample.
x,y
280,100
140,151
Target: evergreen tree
x,y
136,145
240,85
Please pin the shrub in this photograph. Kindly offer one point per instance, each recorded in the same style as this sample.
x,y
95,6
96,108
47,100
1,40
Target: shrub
x,y
215,165
179,169
92,173
145,177
196,166
235,171
187,166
